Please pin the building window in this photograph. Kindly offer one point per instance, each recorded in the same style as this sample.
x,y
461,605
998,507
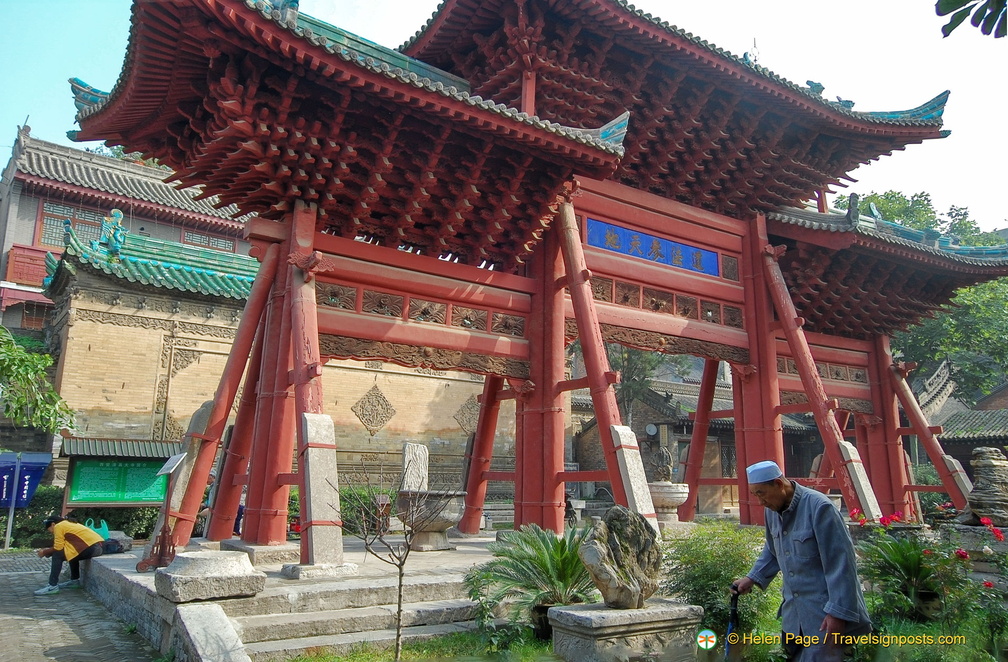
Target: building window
x,y
86,223
728,461
204,240
34,315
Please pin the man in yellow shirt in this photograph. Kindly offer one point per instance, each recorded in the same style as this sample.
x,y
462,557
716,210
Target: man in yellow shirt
x,y
72,542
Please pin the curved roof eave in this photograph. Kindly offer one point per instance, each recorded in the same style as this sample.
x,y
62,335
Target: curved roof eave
x,y
637,22
323,53
865,233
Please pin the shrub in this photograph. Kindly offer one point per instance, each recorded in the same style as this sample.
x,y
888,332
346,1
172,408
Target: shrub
x,y
533,567
134,522
700,568
27,530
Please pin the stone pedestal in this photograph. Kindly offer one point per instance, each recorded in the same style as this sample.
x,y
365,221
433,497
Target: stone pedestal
x,y
208,576
429,514
663,629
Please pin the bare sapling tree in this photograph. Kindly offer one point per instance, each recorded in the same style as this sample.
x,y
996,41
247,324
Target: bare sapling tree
x,y
366,510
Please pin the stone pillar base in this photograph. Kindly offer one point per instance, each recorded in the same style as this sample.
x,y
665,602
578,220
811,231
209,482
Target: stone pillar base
x,y
297,571
596,633
208,576
288,552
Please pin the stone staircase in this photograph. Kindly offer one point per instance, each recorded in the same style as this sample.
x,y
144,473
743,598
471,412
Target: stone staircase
x,y
285,621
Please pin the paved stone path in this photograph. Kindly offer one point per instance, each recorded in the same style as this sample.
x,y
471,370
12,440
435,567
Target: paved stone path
x,y
70,626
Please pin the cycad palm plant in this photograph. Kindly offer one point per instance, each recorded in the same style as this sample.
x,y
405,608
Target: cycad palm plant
x,y
532,567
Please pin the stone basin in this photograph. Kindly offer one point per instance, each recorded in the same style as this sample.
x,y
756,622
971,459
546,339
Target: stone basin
x,y
429,514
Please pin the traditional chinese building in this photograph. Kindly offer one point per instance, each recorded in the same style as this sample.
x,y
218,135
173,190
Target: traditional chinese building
x,y
520,174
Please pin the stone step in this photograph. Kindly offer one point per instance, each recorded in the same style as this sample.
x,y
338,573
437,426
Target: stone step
x,y
266,627
345,593
341,644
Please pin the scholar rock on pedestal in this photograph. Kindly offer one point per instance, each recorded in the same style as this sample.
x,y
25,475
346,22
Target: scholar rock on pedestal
x,y
989,497
623,557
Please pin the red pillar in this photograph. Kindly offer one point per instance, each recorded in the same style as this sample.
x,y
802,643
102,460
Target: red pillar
x,y
482,453
747,504
596,361
307,356
698,442
756,413
273,445
224,398
887,469
236,461
541,499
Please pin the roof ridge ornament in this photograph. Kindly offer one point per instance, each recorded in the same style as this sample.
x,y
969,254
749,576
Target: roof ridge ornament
x,y
113,234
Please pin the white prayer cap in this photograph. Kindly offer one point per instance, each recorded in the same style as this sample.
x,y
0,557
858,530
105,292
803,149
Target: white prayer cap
x,y
763,472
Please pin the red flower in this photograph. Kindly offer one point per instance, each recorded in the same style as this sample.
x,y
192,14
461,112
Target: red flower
x,y
854,513
885,521
988,584
928,551
997,534
962,553
862,522
986,521
897,516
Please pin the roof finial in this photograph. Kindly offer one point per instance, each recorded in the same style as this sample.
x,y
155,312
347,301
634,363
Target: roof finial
x,y
853,215
751,57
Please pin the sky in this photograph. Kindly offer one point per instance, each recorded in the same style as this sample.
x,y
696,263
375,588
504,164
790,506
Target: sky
x,y
882,55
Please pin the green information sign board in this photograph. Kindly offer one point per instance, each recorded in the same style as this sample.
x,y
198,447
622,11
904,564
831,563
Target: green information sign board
x,y
116,481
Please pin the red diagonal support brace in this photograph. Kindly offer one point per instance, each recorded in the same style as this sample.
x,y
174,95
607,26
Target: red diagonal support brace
x,y
819,402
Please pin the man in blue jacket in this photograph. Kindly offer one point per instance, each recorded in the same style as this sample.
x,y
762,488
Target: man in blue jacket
x,y
808,543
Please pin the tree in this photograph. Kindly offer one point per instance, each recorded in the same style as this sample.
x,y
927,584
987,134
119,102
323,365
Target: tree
x,y
988,15
637,368
972,334
28,397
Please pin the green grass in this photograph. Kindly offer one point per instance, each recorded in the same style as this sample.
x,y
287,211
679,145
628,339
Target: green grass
x,y
459,646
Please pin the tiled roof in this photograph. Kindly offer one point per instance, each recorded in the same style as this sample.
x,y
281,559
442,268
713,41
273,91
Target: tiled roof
x,y
976,425
892,233
85,447
159,263
394,65
66,165
927,114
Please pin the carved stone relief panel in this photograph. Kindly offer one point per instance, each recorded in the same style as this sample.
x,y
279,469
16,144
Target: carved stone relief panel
x,y
468,414
374,410
602,288
657,300
508,325
628,294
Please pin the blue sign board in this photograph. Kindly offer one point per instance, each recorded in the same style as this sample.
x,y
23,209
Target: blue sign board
x,y
22,488
654,249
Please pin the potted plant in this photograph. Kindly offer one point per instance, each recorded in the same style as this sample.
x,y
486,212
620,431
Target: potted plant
x,y
533,570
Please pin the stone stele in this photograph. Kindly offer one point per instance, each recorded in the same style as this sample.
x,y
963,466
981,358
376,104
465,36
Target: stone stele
x,y
989,497
208,576
623,557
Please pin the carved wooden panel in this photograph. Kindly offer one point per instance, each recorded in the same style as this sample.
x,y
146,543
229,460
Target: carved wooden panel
x,y
602,289
628,294
382,303
710,312
469,318
428,311
733,317
729,268
859,375
838,372
508,325
336,296
687,307
658,300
